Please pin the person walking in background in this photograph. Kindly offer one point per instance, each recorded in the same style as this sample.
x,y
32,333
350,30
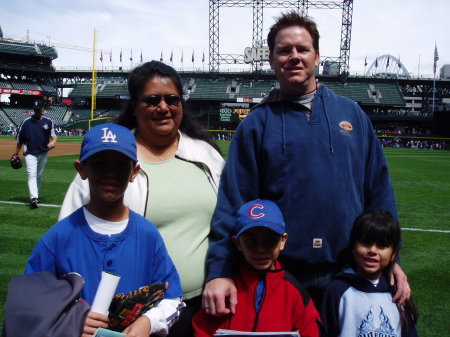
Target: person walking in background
x,y
312,152
270,299
359,302
37,135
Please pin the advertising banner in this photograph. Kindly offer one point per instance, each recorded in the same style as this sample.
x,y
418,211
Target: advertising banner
x,y
20,92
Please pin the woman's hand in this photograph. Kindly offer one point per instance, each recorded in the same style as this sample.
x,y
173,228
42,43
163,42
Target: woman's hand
x,y
142,327
220,297
400,280
94,320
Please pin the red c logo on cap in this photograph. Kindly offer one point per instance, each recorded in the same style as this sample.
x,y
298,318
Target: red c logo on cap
x,y
256,216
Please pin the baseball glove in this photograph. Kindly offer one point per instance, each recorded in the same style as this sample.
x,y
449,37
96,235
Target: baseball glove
x,y
126,308
16,163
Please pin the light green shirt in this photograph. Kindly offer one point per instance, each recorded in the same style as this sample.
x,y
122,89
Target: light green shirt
x,y
181,203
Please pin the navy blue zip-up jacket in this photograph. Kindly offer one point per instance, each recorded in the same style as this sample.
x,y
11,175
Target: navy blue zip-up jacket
x,y
322,172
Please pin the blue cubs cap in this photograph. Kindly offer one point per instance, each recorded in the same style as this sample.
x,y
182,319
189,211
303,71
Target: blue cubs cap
x,y
108,137
260,213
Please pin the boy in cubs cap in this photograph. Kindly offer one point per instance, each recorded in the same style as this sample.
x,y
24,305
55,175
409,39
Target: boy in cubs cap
x,y
260,233
269,298
260,213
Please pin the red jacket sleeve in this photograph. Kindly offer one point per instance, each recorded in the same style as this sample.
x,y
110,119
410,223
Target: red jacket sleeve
x,y
308,321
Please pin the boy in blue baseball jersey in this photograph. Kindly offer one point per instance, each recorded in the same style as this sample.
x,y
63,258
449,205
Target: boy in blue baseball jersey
x,y
105,235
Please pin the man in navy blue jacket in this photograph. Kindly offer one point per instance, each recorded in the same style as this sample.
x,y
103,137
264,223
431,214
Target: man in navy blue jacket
x,y
35,133
312,152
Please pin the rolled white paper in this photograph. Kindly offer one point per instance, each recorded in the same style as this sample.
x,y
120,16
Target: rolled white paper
x,y
105,293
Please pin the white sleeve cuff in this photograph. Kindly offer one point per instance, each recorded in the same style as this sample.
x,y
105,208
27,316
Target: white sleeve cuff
x,y
164,315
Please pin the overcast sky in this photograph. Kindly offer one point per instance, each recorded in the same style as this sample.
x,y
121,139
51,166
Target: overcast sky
x,y
407,29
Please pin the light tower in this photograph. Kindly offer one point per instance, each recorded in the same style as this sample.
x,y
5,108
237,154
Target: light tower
x,y
301,6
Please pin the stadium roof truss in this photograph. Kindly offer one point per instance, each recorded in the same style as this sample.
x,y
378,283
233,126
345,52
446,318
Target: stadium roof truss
x,y
302,6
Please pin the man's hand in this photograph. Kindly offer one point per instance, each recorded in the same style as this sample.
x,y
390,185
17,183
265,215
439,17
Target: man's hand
x,y
51,145
94,320
142,327
220,297
400,280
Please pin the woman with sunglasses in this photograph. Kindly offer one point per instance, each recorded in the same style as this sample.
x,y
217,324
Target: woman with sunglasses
x,y
176,188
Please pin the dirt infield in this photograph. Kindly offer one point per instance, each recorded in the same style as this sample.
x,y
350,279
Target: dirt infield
x,y
8,146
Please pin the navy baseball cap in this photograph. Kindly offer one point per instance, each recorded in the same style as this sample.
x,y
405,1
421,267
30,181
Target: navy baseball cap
x,y
38,104
108,136
260,213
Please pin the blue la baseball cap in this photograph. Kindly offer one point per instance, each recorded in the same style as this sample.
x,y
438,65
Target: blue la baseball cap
x,y
108,136
260,213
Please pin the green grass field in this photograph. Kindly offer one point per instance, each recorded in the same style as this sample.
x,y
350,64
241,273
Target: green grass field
x,y
421,180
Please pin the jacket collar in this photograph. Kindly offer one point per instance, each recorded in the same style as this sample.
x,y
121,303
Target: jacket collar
x,y
276,95
250,269
363,284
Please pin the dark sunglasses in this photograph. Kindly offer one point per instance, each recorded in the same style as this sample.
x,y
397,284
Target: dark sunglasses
x,y
154,100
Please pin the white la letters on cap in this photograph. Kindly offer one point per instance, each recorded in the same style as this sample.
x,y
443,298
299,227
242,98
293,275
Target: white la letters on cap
x,y
108,137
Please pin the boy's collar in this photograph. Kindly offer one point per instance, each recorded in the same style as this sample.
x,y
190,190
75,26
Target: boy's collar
x,y
248,266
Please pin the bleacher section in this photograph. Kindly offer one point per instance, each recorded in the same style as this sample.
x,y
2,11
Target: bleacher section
x,y
46,86
17,57
205,90
226,89
56,113
83,114
24,85
27,49
229,89
391,94
198,88
16,48
110,113
369,93
81,90
47,51
109,90
104,90
27,67
80,114
213,89
28,85
4,119
256,89
18,115
5,84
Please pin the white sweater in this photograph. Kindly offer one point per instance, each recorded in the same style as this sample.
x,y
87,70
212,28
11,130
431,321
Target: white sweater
x,y
189,149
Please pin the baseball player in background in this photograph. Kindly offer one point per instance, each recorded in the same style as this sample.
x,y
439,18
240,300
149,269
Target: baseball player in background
x,y
37,134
